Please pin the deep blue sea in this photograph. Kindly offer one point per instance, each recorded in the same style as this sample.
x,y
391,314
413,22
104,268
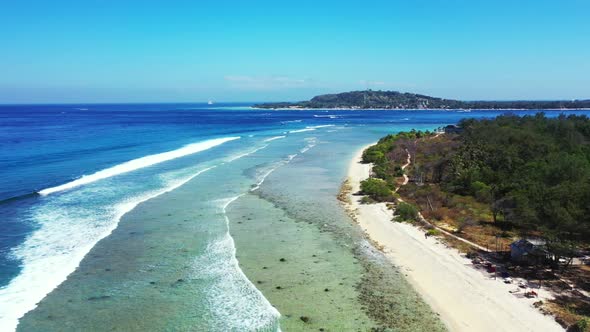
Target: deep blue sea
x,y
69,172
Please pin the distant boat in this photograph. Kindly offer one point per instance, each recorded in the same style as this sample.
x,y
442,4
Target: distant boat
x,y
210,102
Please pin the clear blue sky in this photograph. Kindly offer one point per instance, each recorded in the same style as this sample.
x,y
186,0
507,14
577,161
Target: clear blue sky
x,y
152,51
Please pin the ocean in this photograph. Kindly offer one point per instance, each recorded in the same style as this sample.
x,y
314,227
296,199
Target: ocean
x,y
172,216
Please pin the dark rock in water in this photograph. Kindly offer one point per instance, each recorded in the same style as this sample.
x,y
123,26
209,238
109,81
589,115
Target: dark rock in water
x,y
259,281
152,282
321,329
282,260
305,319
279,287
264,267
180,280
108,270
94,298
313,255
326,290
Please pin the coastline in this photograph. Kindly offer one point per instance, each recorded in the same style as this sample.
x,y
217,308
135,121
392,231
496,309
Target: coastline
x,y
416,109
465,299
300,248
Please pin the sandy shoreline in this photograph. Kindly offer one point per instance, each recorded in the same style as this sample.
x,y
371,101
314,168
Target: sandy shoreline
x,y
465,299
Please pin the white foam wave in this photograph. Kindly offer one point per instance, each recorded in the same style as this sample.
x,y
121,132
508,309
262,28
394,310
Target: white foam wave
x,y
272,169
262,178
246,154
237,304
311,142
326,116
56,249
301,130
138,163
274,138
321,126
309,128
305,149
291,121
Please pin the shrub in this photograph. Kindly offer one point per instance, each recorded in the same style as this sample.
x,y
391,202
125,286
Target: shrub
x,y
465,222
582,325
406,212
367,200
481,191
440,213
377,189
398,171
433,232
373,155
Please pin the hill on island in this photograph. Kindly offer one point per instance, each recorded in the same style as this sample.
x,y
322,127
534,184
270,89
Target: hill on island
x,y
397,100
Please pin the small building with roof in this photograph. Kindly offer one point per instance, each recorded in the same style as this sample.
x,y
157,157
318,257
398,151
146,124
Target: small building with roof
x,y
529,251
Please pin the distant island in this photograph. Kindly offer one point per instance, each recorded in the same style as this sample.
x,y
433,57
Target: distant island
x,y
370,99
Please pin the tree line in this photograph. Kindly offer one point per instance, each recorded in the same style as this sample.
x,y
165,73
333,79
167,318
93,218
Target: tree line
x,y
532,171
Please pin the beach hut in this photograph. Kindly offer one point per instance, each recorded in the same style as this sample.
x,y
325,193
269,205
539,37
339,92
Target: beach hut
x,y
528,251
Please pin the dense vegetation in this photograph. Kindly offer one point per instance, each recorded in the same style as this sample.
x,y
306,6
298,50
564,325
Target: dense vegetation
x,y
493,181
387,157
531,174
406,212
533,171
377,189
390,153
398,100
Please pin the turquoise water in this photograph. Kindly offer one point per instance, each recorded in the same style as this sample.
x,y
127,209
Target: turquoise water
x,y
131,203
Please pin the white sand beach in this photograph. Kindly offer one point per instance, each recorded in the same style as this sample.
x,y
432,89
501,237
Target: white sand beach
x,y
465,298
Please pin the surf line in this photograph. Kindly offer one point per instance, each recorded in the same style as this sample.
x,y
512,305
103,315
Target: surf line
x,y
272,310
20,285
139,163
10,295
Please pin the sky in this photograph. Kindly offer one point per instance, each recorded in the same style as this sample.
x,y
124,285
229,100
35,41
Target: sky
x,y
230,51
